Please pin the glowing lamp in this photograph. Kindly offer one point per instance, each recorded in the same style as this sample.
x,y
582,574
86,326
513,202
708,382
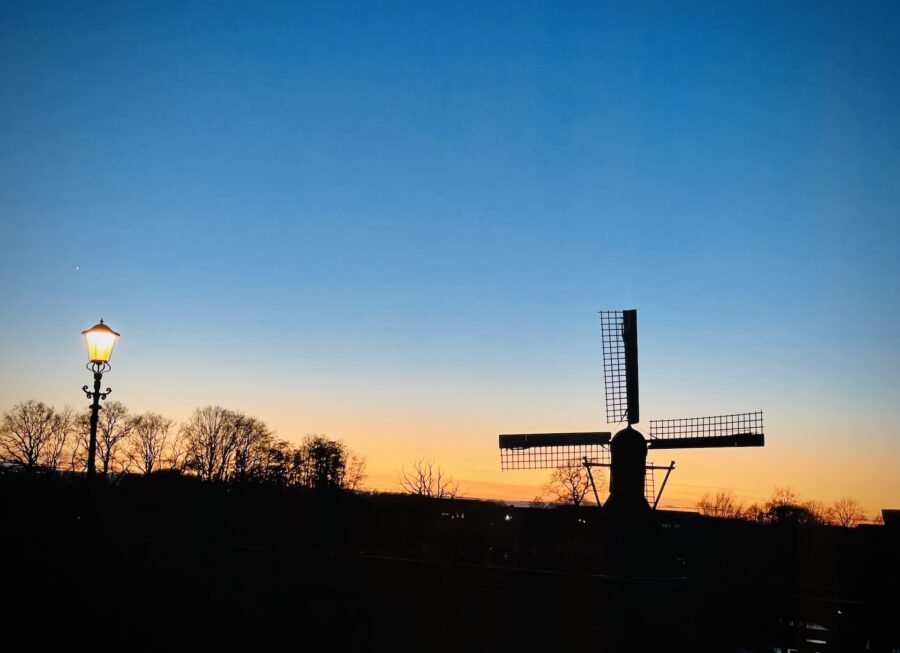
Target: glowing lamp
x,y
100,340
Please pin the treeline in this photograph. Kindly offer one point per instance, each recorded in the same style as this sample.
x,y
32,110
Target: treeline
x,y
215,444
784,507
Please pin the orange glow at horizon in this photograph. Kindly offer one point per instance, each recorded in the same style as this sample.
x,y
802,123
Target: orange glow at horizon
x,y
750,473
453,419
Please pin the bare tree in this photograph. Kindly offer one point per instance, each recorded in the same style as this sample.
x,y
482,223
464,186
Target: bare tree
x,y
150,433
113,427
428,480
253,439
818,512
319,463
354,471
323,463
122,463
79,443
211,435
176,453
785,507
721,504
60,436
277,464
33,434
783,496
570,483
846,512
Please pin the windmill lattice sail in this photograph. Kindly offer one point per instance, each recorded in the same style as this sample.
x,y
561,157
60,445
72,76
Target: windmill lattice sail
x,y
736,430
620,366
551,450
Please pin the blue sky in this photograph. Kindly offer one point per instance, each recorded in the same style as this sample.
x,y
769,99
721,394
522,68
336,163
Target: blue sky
x,y
310,210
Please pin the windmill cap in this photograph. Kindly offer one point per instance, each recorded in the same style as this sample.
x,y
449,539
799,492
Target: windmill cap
x,y
629,440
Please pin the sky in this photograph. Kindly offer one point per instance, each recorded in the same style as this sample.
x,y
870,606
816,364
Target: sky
x,y
395,223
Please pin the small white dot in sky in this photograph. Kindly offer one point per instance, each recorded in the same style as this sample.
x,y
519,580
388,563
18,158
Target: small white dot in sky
x,y
76,268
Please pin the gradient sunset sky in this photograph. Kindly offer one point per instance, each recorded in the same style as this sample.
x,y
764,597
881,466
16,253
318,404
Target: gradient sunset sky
x,y
395,223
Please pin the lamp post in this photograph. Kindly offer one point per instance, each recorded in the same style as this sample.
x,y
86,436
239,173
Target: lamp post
x,y
99,340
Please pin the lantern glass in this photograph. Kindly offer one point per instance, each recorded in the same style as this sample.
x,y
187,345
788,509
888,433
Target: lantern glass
x,y
100,341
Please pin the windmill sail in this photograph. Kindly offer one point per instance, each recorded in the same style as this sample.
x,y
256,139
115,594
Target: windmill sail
x,y
737,430
550,450
620,366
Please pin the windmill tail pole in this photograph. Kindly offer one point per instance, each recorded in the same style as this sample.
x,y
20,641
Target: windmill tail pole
x,y
587,466
663,486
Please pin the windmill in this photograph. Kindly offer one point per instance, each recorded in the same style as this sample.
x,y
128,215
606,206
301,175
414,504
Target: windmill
x,y
631,478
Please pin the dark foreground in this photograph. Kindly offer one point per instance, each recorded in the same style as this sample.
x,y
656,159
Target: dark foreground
x,y
168,562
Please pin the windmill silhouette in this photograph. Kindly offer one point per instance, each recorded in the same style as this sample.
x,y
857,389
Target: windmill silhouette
x,y
631,478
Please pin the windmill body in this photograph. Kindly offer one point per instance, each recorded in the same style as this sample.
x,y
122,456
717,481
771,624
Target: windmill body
x,y
628,468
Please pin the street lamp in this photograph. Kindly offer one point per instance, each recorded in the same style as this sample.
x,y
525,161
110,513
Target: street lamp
x,y
100,341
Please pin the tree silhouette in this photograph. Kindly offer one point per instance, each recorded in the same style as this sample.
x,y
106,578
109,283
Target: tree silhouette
x,y
61,435
721,504
846,512
428,480
355,472
818,513
279,464
113,427
570,483
211,436
225,445
785,507
176,452
321,463
253,440
33,434
148,440
324,462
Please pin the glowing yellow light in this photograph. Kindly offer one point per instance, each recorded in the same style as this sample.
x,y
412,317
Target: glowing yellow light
x,y
100,340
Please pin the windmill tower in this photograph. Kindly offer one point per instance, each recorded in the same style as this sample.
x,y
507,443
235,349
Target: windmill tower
x,y
625,453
